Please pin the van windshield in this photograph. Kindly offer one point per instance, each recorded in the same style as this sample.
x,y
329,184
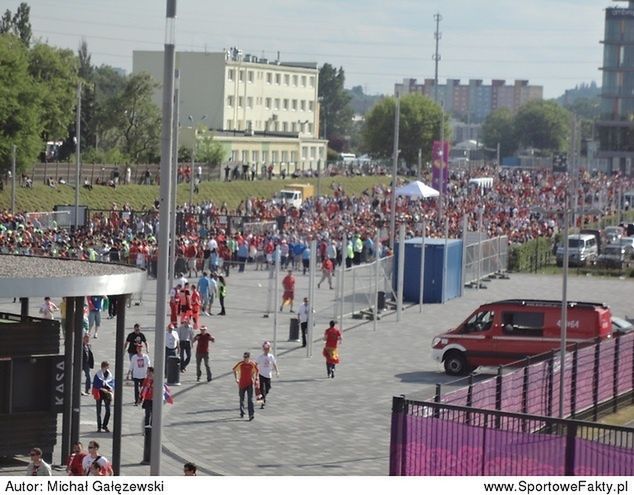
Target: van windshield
x,y
479,322
575,243
288,194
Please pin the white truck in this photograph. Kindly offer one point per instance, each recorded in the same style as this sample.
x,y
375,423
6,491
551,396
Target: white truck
x,y
289,197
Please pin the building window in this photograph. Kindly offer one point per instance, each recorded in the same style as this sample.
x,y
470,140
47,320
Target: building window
x,y
250,76
254,157
245,156
295,80
310,128
249,125
294,102
312,81
249,101
304,152
277,104
312,152
229,101
241,76
294,127
269,78
265,156
311,105
229,123
240,101
303,81
285,126
284,156
287,79
278,79
285,104
302,105
293,156
274,156
230,74
267,103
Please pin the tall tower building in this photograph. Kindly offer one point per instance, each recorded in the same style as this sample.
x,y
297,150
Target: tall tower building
x,y
616,125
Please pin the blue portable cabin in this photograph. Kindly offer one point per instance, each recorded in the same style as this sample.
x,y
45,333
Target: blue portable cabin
x,y
437,289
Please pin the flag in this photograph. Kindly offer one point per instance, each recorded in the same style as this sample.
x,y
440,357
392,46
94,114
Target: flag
x,y
440,172
167,395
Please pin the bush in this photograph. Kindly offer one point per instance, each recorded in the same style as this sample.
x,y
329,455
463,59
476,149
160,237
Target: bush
x,y
530,256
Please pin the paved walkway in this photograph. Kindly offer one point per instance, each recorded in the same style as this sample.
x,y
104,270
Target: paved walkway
x,y
312,425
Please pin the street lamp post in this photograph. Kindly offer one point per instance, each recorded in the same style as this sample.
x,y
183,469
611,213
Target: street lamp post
x,y
191,175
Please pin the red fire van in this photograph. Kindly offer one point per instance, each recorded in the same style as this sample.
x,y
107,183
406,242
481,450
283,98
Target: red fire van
x,y
502,332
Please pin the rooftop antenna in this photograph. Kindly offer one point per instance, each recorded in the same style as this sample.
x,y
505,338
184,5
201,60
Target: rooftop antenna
x,y
436,57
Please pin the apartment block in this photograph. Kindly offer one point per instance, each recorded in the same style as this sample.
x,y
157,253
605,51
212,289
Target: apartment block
x,y
264,104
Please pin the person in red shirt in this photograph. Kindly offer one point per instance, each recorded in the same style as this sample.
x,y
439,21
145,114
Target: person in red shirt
x,y
195,301
288,296
332,337
326,272
146,395
74,464
246,373
202,351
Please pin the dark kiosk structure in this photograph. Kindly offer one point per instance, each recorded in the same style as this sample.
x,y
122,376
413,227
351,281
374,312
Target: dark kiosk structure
x,y
39,379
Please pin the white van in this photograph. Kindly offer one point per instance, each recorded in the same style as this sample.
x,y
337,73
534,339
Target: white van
x,y
582,250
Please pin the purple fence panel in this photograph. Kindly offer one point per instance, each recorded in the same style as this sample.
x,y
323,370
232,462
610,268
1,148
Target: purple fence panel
x,y
457,397
512,391
626,357
511,453
606,370
484,394
596,459
585,372
537,391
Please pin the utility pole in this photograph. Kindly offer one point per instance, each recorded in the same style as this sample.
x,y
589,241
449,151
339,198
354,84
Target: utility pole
x,y
164,236
174,193
436,57
397,117
77,154
13,148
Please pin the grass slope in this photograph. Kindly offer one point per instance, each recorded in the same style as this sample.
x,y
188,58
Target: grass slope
x,y
43,198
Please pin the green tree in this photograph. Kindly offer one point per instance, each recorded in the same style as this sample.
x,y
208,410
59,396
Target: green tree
x,y
420,121
132,121
54,71
498,128
335,113
209,151
18,24
543,125
19,105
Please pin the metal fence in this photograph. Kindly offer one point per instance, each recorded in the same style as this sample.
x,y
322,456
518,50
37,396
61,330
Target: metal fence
x,y
597,377
484,258
432,439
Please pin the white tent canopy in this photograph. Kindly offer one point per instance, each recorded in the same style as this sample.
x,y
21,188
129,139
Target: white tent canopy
x,y
417,189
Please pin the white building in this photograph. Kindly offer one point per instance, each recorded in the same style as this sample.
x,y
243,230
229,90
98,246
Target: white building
x,y
273,105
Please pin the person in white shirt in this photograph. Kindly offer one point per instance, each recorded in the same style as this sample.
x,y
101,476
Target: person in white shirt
x,y
95,459
48,308
266,364
302,315
139,364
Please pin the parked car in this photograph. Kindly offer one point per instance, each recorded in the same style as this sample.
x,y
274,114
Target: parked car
x,y
504,332
614,256
627,243
613,233
583,250
621,326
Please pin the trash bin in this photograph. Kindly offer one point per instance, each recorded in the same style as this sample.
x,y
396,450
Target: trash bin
x,y
147,444
381,300
173,370
293,330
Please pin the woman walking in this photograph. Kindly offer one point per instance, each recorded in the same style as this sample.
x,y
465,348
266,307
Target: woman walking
x,y
222,292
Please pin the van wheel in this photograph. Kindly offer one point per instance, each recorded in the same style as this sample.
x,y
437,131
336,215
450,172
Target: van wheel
x,y
456,364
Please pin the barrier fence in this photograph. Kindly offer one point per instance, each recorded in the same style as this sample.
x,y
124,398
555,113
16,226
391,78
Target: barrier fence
x,y
505,426
433,439
484,258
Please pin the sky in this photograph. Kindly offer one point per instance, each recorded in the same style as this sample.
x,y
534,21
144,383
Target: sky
x,y
552,43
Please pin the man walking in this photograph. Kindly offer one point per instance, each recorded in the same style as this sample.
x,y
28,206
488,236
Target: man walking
x,y
139,364
87,362
185,337
102,391
288,296
202,351
135,338
246,374
37,466
203,288
95,304
302,314
332,338
326,272
266,364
